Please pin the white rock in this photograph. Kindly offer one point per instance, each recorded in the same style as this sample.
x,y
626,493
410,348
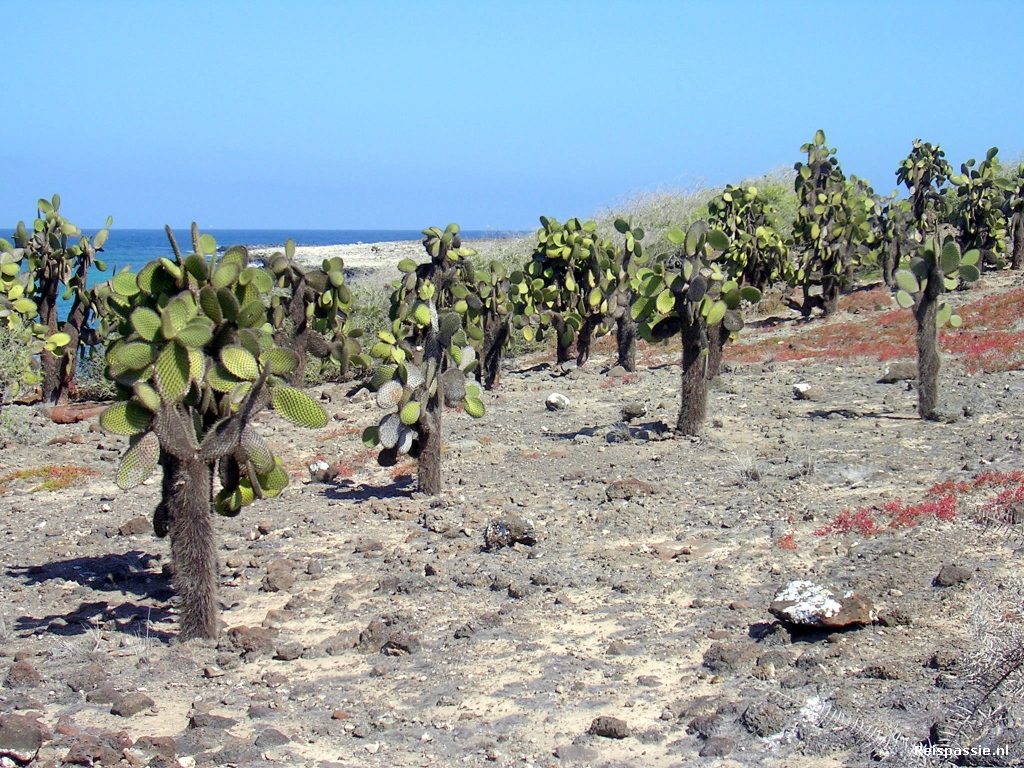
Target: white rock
x,y
557,402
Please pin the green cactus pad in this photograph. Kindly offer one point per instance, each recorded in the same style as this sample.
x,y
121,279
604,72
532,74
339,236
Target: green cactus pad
x,y
381,375
907,281
138,461
390,394
275,481
134,355
196,266
177,314
225,274
474,407
146,323
410,413
298,407
904,299
220,378
252,315
210,304
240,362
125,284
421,314
147,395
370,437
172,372
195,335
126,418
281,361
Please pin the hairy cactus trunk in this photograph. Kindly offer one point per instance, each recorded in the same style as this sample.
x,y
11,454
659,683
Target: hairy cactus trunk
x,y
928,363
189,522
495,338
890,258
1017,255
717,338
564,350
830,286
585,338
429,462
693,408
625,341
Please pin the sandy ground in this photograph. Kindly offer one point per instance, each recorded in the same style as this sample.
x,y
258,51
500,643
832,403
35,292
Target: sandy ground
x,y
367,625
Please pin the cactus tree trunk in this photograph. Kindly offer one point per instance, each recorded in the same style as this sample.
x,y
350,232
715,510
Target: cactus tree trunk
x,y
625,339
429,462
717,338
585,338
495,337
564,350
193,544
1017,256
925,313
694,382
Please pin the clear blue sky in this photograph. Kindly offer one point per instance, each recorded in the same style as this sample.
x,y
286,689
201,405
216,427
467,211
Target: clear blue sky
x,y
386,114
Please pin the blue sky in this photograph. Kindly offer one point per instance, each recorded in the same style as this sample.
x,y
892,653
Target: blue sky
x,y
386,114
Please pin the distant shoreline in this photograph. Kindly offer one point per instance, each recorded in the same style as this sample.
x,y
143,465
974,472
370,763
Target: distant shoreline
x,y
365,258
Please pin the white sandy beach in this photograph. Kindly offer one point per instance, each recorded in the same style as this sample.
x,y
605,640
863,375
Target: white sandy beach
x,y
365,259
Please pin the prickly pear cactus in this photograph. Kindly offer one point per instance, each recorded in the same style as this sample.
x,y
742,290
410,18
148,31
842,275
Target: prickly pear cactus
x,y
925,173
568,282
829,229
424,362
41,266
979,216
194,360
686,293
932,272
1013,210
312,312
491,307
757,254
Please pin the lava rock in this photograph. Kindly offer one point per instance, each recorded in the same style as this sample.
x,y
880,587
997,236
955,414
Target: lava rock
x,y
609,727
253,640
898,370
807,391
22,675
508,531
951,575
135,526
289,650
804,603
130,704
20,737
763,719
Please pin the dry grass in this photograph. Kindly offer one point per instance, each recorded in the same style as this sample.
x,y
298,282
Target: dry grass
x,y
55,477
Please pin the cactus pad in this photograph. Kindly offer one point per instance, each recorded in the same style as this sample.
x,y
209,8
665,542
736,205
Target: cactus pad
x,y
390,394
298,407
256,450
454,383
389,429
126,418
146,323
281,361
172,372
138,461
240,362
410,413
406,437
474,407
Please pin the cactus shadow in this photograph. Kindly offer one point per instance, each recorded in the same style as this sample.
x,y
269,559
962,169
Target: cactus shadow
x,y
127,574
347,490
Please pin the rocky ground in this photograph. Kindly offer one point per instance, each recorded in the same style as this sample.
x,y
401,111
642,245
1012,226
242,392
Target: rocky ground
x,y
626,622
